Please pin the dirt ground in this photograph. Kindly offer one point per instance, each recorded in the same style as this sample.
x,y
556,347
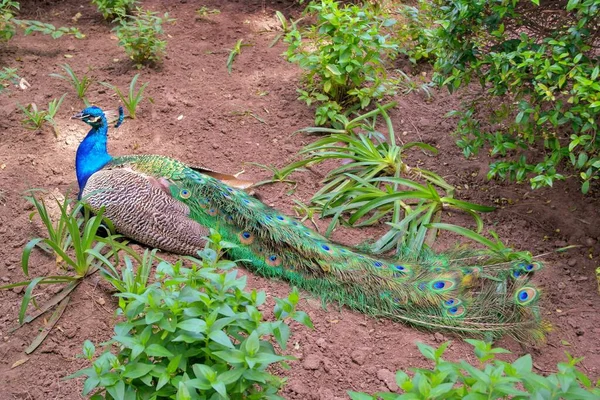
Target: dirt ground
x,y
200,114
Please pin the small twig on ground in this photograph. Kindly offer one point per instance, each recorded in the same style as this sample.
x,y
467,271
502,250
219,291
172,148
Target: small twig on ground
x,y
542,369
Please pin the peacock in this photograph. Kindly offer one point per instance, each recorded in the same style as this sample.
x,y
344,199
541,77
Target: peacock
x,y
164,203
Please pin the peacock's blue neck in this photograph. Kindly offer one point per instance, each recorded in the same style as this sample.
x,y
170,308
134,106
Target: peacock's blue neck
x,y
91,154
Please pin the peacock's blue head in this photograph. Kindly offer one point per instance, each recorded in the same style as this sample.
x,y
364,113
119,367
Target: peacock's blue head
x,y
93,116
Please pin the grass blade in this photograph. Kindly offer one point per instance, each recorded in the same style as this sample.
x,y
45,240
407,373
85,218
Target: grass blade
x,y
53,320
373,204
27,298
52,302
27,253
467,233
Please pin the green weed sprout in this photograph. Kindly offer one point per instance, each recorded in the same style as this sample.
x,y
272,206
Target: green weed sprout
x,y
8,76
237,50
36,118
204,12
74,241
80,85
133,98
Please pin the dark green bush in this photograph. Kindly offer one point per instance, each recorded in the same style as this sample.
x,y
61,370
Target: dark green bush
x,y
415,32
8,9
542,67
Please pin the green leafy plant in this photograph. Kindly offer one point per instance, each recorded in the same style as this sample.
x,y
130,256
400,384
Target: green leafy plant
x,y
343,56
280,175
9,24
306,212
114,9
194,333
286,27
130,280
35,118
8,76
233,53
140,35
8,9
204,12
80,85
73,240
133,97
543,71
408,84
415,31
31,26
374,183
494,379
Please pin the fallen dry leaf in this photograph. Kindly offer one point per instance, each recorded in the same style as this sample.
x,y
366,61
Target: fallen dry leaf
x,y
23,84
19,362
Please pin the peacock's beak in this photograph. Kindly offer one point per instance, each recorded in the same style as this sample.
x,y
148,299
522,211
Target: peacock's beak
x,y
79,115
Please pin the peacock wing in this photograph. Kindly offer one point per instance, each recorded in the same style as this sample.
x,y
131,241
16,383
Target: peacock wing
x,y
142,208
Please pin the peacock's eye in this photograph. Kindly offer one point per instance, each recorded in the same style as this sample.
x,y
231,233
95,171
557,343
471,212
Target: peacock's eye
x,y
185,193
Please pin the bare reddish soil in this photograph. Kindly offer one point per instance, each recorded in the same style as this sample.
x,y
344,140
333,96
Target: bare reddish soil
x,y
346,350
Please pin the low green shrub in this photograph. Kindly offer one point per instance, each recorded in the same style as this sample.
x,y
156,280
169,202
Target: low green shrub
x,y
114,9
8,9
141,36
9,24
195,333
343,57
494,379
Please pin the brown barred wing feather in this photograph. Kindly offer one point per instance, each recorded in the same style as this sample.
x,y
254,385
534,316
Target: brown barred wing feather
x,y
142,208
